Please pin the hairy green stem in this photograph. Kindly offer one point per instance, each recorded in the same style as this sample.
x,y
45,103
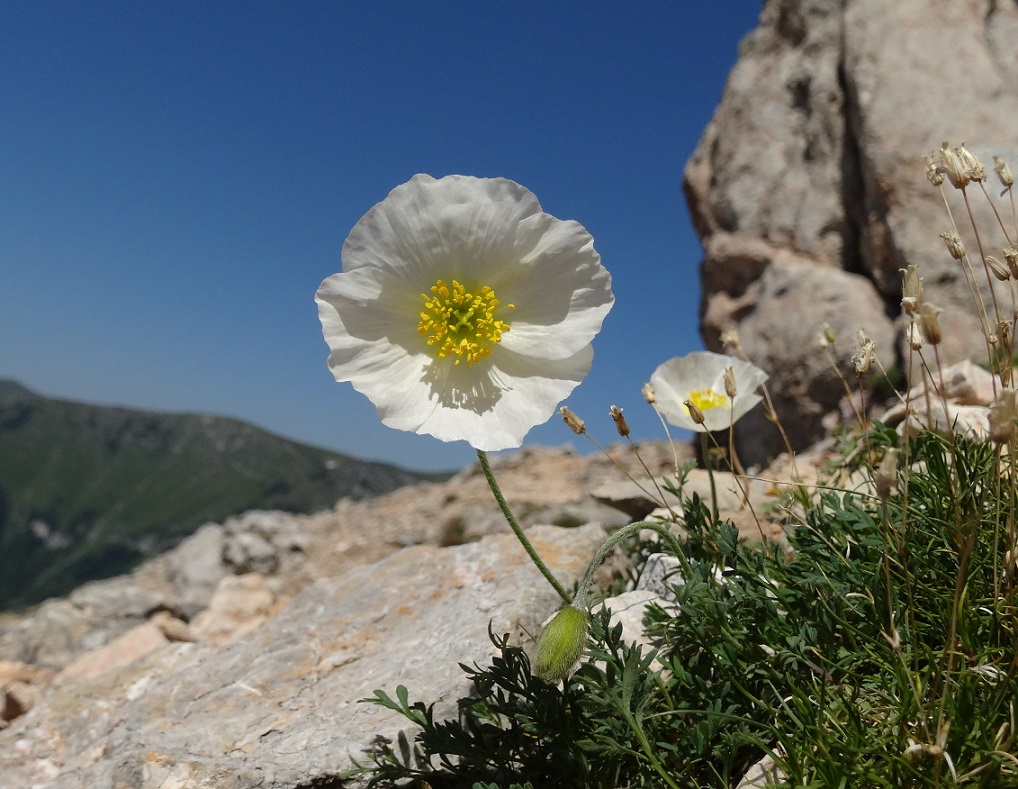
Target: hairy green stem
x,y
581,600
705,451
515,526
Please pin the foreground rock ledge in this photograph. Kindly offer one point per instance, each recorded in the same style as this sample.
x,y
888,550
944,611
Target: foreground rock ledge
x,y
279,708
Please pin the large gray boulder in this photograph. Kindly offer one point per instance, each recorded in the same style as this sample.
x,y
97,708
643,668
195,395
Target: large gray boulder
x,y
809,182
279,708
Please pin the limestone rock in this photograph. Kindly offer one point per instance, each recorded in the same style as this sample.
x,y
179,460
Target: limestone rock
x,y
123,650
279,707
962,408
764,773
261,541
21,687
195,568
241,605
543,485
640,501
790,303
808,192
58,631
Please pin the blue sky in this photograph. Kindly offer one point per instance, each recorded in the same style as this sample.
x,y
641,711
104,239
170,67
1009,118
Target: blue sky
x,y
176,179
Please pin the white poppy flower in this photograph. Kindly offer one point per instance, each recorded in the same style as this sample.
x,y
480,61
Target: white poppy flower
x,y
463,310
699,378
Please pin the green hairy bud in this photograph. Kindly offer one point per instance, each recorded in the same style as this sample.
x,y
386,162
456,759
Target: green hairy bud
x,y
561,644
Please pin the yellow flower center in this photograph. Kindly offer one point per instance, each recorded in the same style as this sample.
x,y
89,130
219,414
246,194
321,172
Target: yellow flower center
x,y
461,323
706,399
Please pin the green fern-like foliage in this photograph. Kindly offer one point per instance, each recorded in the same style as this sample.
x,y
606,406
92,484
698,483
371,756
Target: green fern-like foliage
x,y
877,648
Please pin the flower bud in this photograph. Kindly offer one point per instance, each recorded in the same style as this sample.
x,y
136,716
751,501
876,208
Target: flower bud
x,y
930,323
649,394
730,389
826,336
1003,171
561,644
575,423
620,421
955,247
694,413
999,269
911,290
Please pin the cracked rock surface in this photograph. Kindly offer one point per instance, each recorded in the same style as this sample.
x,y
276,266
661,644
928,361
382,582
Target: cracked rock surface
x,y
808,192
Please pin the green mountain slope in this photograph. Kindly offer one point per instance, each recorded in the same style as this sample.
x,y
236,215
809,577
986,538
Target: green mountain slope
x,y
88,491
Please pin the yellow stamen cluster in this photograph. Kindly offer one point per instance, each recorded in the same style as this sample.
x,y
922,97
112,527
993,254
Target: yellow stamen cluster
x,y
461,323
706,399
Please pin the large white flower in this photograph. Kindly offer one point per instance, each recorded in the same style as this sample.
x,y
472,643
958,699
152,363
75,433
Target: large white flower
x,y
699,378
463,310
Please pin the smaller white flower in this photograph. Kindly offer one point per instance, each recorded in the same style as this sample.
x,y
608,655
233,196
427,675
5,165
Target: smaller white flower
x,y
699,378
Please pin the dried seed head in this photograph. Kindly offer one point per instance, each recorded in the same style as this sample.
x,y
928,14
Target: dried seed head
x,y
575,423
911,290
694,413
952,166
933,173
620,421
730,389
885,476
1002,417
954,244
999,268
1004,332
915,338
863,358
1010,564
1003,171
649,394
730,339
893,641
973,167
930,322
1011,258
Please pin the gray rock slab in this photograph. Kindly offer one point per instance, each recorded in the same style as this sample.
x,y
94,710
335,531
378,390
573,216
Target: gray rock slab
x,y
280,708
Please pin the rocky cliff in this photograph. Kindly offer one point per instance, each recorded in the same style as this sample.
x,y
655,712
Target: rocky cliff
x,y
808,190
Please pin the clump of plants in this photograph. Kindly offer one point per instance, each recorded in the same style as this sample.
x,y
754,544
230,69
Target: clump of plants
x,y
877,649
876,646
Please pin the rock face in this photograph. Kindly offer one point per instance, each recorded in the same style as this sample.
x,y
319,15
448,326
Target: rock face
x,y
280,707
809,194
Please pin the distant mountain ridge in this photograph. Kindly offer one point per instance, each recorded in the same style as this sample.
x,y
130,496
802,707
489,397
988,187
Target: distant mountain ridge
x,y
88,491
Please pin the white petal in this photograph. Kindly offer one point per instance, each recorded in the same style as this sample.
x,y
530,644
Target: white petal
x,y
456,227
742,405
507,401
368,318
560,290
489,407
